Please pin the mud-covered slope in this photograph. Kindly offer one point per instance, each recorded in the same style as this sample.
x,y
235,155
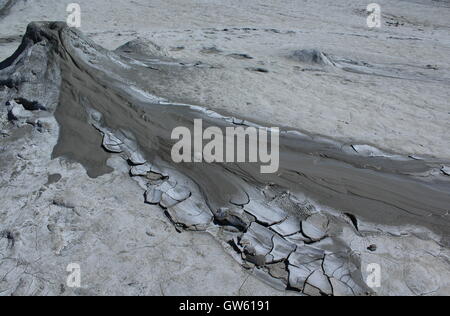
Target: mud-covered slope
x,y
290,228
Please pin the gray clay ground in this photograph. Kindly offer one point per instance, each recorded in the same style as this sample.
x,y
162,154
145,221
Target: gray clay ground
x,y
308,66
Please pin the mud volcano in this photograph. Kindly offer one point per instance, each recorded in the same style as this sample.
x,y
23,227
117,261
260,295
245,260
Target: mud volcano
x,y
291,228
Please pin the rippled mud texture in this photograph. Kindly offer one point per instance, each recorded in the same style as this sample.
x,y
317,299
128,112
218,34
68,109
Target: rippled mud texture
x,y
283,227
5,5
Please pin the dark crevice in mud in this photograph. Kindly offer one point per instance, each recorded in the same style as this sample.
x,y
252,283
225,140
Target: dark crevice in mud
x,y
234,246
30,105
353,219
9,83
10,237
104,102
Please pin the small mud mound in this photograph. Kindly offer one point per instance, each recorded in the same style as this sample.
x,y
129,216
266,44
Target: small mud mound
x,y
388,70
312,56
144,48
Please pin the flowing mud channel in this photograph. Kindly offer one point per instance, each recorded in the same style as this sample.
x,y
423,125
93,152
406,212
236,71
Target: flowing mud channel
x,y
293,229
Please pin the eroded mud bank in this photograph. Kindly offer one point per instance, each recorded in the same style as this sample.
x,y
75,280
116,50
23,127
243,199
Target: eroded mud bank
x,y
284,227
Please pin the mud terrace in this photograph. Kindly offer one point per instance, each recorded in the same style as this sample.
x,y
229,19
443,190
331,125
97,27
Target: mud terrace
x,y
87,178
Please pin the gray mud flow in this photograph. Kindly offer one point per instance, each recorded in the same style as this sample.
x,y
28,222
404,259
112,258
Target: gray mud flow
x,y
377,187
